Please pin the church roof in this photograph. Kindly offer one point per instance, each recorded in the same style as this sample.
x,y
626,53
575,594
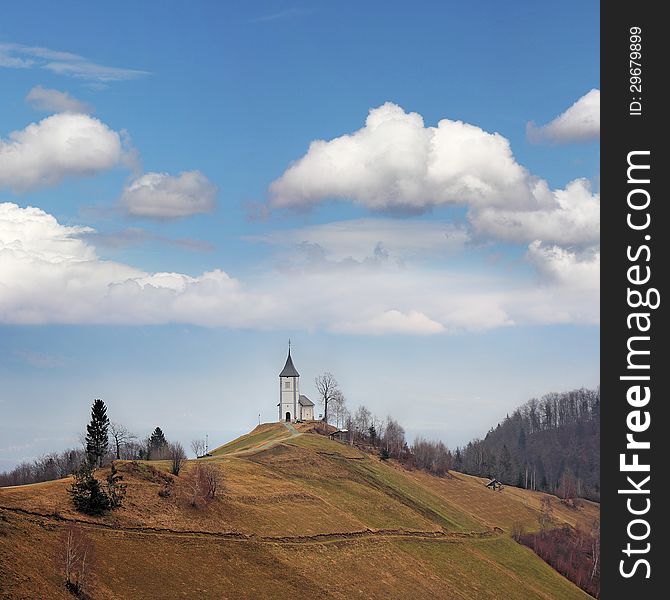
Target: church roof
x,y
289,370
305,401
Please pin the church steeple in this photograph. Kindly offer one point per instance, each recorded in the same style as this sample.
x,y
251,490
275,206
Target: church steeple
x,y
289,370
293,406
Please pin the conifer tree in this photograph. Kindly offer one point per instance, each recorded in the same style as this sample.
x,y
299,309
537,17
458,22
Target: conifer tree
x,y
87,493
97,441
157,443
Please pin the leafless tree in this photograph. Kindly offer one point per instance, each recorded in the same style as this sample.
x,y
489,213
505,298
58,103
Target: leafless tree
x,y
362,421
205,481
595,548
338,408
199,448
348,421
121,437
430,456
546,517
77,554
327,387
177,457
393,438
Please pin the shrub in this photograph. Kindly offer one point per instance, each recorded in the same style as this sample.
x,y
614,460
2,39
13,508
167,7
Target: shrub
x,y
87,493
205,481
90,497
177,457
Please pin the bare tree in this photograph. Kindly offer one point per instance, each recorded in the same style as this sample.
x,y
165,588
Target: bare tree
x,y
546,515
348,421
393,438
595,548
327,387
77,553
121,437
205,481
199,448
177,457
433,457
362,420
338,408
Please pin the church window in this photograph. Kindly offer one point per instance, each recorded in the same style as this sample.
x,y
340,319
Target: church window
x,y
287,385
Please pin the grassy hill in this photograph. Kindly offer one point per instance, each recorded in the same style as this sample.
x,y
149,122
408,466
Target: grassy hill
x,y
300,516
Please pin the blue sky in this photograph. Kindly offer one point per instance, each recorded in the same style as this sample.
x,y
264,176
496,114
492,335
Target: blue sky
x,y
443,274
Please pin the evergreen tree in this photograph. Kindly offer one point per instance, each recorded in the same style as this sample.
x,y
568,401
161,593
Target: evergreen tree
x,y
458,460
87,494
505,463
521,442
157,443
97,441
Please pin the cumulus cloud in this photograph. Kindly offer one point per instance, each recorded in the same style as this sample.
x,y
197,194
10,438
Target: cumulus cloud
x,y
572,218
59,146
579,123
396,163
578,270
163,196
55,101
20,56
50,273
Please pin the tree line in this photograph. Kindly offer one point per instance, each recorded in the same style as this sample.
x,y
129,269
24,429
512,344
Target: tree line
x,y
550,444
384,436
109,441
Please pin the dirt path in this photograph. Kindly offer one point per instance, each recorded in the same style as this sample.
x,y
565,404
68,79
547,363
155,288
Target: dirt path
x,y
54,521
269,444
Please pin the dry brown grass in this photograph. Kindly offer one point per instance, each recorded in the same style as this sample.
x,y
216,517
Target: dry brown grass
x,y
299,519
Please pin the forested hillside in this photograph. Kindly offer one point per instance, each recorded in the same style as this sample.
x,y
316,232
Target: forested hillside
x,y
551,444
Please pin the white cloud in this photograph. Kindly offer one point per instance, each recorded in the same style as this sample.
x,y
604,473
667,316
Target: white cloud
x,y
163,196
49,274
578,270
396,163
19,56
55,101
579,123
59,146
573,217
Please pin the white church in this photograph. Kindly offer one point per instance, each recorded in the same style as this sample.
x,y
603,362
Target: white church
x,y
293,406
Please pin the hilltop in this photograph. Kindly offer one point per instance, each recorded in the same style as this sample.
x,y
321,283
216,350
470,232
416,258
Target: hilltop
x,y
300,516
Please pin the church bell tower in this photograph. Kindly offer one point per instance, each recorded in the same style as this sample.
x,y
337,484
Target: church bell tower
x,y
289,390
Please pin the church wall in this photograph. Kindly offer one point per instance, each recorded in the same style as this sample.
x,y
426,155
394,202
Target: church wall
x,y
289,395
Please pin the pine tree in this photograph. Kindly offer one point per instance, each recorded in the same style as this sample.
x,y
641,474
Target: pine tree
x,y
157,443
97,441
87,494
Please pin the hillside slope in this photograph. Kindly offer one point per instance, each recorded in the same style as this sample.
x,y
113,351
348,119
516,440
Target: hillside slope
x,y
301,516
